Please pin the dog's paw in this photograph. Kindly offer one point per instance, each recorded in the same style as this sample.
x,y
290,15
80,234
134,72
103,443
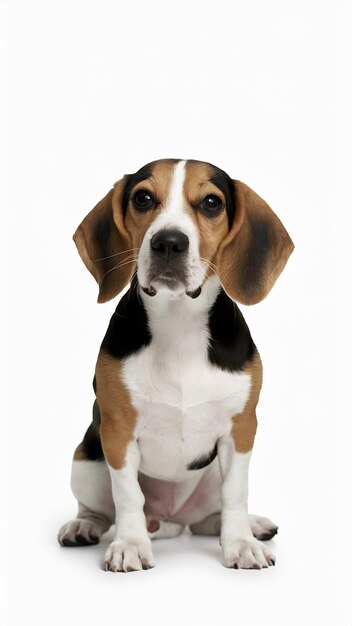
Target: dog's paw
x,y
79,532
262,527
128,555
246,553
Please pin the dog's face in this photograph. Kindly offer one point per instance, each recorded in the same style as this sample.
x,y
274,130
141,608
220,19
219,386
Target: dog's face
x,y
178,217
178,222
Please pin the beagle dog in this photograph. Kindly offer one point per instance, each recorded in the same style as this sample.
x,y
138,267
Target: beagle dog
x,y
178,375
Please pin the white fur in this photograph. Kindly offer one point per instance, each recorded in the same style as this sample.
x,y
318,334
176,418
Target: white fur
x,y
184,403
239,546
167,530
91,485
131,548
174,215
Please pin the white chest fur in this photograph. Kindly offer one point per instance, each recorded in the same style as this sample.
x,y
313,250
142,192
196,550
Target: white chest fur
x,y
184,403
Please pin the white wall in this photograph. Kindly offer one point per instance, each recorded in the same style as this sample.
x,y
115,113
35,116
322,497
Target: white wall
x,y
97,89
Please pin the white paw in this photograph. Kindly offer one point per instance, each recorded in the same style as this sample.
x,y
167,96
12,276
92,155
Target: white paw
x,y
79,532
128,555
247,553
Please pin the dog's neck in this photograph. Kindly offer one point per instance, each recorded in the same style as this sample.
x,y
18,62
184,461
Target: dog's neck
x,y
168,305
180,324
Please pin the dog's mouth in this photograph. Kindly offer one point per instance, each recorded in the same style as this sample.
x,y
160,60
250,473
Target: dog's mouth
x,y
168,280
151,291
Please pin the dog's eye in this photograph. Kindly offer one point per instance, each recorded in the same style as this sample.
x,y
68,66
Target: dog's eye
x,y
143,200
211,205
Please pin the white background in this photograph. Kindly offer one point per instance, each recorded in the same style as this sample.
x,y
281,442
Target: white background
x,y
98,89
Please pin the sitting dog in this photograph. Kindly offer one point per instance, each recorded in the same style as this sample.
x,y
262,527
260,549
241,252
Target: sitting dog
x,y
178,375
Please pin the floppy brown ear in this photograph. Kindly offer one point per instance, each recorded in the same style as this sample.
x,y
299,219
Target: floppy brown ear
x,y
255,251
103,244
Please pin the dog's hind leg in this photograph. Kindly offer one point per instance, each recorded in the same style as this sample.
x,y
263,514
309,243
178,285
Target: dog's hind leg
x,y
91,486
261,527
208,526
85,530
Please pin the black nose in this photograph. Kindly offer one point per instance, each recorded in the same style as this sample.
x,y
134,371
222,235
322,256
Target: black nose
x,y
169,243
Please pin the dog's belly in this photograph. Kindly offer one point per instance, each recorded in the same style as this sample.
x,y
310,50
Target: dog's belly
x,y
183,409
185,502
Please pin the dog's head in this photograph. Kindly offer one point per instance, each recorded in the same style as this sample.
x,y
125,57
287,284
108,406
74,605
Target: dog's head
x,y
177,223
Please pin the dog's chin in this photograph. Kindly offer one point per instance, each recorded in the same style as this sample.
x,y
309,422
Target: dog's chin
x,y
171,285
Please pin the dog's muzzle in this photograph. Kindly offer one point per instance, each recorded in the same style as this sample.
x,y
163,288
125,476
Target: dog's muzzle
x,y
168,261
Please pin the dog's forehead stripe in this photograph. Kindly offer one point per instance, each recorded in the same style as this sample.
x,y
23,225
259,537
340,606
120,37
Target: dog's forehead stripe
x,y
175,199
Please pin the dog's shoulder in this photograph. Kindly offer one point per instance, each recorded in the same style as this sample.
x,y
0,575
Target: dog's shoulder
x,y
230,345
128,330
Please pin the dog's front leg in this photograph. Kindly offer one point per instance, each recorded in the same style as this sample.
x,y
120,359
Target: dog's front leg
x,y
131,548
240,548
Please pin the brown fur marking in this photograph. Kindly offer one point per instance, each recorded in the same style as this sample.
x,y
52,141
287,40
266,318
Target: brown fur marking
x,y
245,424
118,415
104,244
158,184
79,454
211,230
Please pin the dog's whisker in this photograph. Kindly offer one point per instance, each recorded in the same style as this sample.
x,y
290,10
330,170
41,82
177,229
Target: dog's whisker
x,y
210,264
125,262
104,258
207,261
128,258
118,266
207,265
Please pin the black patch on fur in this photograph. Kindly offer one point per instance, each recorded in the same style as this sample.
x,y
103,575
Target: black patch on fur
x,y
102,230
261,240
223,181
80,541
266,536
91,443
128,330
204,460
231,345
103,241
